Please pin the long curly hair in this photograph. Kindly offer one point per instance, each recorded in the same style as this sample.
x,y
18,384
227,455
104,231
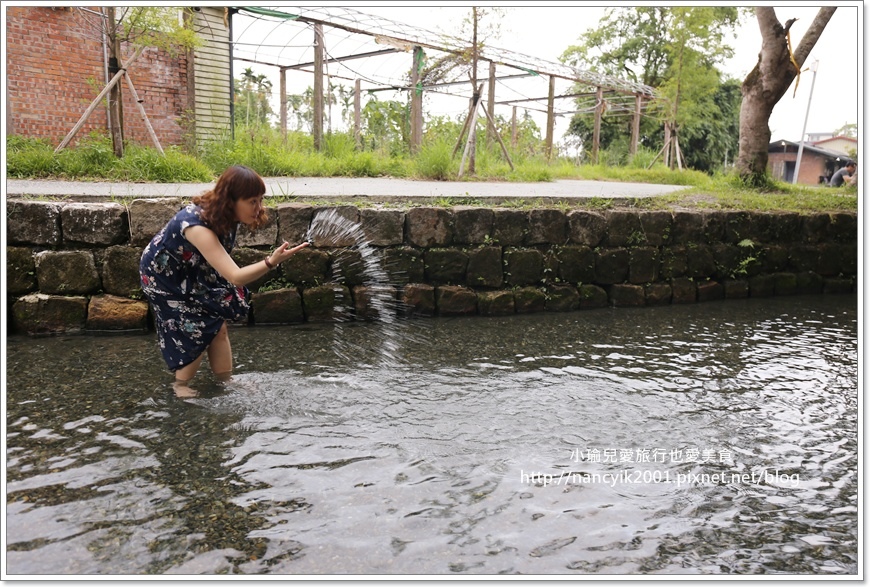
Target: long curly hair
x,y
218,204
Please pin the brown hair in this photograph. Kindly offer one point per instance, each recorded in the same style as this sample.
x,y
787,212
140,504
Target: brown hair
x,y
236,183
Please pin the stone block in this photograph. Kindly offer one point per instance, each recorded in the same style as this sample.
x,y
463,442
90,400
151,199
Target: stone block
x,y
715,222
710,290
658,294
592,296
383,228
687,227
306,267
121,271
455,300
576,264
523,266
844,227
33,223
348,267
547,226
804,258
20,271
785,284
848,259
485,267
244,256
830,260
562,298
528,300
445,266
674,262
429,227
294,221
95,224
472,225
418,299
611,266
148,216
375,302
657,226
586,227
264,236
329,302
66,272
278,306
643,264
816,227
838,285
624,229
735,289
509,227
726,259
108,312
785,227
626,294
404,265
40,313
683,291
336,227
809,282
495,303
762,286
737,227
700,263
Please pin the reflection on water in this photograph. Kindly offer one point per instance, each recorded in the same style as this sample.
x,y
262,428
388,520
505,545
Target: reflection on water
x,y
709,439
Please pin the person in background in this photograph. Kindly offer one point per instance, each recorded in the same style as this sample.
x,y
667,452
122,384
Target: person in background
x,y
194,286
845,175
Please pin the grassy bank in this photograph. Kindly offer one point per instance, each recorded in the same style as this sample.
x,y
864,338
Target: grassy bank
x,y
266,152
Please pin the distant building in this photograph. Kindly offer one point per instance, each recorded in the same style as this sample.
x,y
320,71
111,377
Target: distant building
x,y
839,144
818,164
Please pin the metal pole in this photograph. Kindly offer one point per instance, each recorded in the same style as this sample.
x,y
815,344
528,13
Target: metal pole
x,y
797,167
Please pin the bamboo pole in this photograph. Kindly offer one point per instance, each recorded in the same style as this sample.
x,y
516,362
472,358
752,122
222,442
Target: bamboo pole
x,y
551,118
357,112
468,143
97,100
498,137
318,87
144,115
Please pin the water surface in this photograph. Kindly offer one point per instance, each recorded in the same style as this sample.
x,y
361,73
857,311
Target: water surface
x,y
713,438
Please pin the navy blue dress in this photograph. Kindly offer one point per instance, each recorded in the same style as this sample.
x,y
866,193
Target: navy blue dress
x,y
190,300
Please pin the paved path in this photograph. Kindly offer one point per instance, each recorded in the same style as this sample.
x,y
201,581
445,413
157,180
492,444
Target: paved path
x,y
376,189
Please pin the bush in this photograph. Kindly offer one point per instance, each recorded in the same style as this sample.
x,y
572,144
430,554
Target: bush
x,y
435,160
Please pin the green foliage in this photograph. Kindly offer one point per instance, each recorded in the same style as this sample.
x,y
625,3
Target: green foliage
x,y
435,159
155,26
674,49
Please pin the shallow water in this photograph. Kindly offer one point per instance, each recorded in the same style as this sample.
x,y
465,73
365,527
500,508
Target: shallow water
x,y
704,439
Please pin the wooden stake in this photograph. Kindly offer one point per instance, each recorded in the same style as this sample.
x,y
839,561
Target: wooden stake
x,y
142,112
97,100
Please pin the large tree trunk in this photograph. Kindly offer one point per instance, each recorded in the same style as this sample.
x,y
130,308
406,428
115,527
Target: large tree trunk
x,y
766,84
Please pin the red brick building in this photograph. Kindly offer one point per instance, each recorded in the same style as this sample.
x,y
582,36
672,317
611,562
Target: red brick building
x,y
817,164
56,65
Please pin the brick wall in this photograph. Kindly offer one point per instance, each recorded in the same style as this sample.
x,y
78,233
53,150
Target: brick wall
x,y
55,68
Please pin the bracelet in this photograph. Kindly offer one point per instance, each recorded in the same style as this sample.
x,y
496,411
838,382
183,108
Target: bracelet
x,y
269,265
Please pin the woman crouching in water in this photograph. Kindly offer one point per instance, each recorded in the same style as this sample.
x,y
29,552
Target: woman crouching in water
x,y
193,284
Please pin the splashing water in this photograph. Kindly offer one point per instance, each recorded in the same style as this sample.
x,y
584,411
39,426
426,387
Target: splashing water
x,y
374,298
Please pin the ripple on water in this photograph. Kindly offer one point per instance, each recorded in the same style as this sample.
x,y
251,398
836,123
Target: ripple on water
x,y
561,443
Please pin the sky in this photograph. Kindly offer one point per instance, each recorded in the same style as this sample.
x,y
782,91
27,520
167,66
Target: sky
x,y
545,31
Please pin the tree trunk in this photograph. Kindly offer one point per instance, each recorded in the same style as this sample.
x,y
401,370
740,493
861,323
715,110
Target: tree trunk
x,y
766,84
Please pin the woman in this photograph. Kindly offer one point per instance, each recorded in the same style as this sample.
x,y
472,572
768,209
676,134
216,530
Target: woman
x,y
193,284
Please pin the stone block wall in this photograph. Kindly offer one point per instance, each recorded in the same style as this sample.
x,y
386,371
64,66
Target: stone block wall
x,y
74,266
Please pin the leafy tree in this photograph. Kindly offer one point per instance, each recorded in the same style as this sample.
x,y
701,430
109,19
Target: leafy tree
x,y
676,50
251,96
768,81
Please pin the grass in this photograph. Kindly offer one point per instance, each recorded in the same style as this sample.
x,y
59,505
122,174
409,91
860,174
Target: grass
x,y
266,151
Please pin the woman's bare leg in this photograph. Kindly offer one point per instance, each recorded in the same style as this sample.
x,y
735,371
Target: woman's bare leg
x,y
220,355
183,377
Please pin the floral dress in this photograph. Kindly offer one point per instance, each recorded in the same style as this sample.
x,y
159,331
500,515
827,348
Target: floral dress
x,y
190,300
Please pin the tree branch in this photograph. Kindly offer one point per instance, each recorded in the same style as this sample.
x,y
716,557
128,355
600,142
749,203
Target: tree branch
x,y
813,33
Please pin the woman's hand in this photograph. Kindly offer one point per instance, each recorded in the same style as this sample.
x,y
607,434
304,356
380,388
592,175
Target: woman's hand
x,y
284,252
